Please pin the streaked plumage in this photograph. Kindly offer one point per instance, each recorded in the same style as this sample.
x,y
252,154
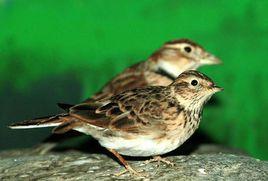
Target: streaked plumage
x,y
139,122
160,69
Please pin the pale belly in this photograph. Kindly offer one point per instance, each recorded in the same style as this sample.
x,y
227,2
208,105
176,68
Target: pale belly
x,y
139,147
142,147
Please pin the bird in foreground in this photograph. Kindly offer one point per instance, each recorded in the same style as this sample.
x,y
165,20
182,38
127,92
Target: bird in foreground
x,y
160,69
140,122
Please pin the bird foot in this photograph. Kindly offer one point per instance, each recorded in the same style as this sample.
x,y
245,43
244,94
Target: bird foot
x,y
132,172
127,166
160,159
43,148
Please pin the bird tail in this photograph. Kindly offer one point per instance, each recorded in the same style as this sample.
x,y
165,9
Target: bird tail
x,y
62,123
49,121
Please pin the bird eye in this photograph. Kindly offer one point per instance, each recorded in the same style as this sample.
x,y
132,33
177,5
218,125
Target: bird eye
x,y
188,49
194,82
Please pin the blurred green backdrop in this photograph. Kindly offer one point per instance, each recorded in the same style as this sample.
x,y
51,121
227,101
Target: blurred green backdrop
x,y
64,51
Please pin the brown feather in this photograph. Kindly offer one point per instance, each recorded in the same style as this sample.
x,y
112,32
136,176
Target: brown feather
x,y
66,126
131,78
40,121
128,111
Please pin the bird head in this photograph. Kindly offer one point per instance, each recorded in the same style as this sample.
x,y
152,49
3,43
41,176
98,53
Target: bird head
x,y
194,89
177,56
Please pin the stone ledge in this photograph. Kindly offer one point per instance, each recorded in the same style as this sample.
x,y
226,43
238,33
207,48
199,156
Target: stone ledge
x,y
74,165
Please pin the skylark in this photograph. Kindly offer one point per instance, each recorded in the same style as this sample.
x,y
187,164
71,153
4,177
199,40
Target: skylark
x,y
142,122
160,69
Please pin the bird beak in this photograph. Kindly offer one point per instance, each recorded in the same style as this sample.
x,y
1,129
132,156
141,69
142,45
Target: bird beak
x,y
217,88
210,59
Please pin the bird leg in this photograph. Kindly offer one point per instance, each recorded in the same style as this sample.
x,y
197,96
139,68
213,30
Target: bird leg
x,y
160,159
126,165
43,148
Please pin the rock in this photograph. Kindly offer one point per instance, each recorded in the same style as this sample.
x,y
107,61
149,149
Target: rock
x,y
213,148
75,165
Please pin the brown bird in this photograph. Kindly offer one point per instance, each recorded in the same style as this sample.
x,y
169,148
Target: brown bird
x,y
160,69
140,122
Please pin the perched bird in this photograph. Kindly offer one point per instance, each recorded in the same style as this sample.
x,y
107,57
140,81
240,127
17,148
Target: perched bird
x,y
142,122
160,69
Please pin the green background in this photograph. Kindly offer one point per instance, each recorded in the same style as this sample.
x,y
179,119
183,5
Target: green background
x,y
65,50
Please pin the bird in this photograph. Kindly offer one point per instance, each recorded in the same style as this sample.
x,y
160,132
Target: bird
x,y
160,69
140,122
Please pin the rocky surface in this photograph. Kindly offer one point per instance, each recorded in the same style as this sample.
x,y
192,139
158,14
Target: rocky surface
x,y
75,165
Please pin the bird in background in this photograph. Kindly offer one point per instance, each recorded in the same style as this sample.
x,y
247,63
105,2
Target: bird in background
x,y
140,122
161,68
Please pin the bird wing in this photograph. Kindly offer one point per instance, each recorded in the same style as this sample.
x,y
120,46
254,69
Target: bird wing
x,y
131,111
131,78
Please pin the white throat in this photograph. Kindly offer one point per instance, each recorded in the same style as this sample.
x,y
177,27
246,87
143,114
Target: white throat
x,y
169,68
174,70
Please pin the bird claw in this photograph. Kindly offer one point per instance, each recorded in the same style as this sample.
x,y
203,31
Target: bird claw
x,y
132,172
160,159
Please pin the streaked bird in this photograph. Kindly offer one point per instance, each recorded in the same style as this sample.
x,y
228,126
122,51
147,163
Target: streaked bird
x,y
140,122
161,68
